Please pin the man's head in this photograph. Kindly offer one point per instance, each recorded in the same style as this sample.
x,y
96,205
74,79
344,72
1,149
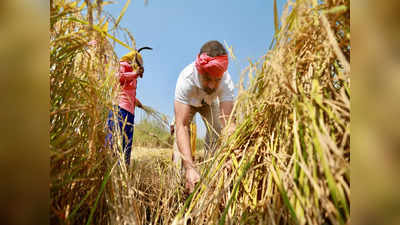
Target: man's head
x,y
213,48
211,64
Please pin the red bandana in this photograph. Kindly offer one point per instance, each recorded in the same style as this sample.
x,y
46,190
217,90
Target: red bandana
x,y
214,66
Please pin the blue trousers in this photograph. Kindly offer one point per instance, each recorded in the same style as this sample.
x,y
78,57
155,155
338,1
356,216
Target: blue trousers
x,y
125,124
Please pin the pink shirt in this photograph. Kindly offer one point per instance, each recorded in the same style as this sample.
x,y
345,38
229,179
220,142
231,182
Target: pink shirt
x,y
128,82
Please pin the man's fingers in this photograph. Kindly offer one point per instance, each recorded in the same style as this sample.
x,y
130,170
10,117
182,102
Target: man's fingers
x,y
192,177
194,184
189,187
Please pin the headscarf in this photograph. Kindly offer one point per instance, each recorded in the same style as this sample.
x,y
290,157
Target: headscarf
x,y
134,57
214,66
130,56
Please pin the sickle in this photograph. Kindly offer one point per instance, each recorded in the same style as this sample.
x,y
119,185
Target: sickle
x,y
140,49
144,48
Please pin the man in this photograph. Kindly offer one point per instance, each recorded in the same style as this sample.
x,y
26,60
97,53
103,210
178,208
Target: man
x,y
206,87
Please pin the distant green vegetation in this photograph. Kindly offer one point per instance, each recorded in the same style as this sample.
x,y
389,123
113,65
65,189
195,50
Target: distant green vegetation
x,y
153,134
150,133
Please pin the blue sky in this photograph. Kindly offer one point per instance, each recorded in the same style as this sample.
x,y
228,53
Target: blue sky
x,y
176,30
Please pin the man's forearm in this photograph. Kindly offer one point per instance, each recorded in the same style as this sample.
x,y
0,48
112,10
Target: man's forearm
x,y
225,112
182,138
223,120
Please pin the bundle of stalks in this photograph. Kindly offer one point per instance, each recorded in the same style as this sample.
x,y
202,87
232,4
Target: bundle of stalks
x,y
88,185
78,170
157,116
155,192
288,160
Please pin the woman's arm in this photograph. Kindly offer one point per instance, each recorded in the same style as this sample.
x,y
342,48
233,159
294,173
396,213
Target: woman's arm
x,y
126,72
138,103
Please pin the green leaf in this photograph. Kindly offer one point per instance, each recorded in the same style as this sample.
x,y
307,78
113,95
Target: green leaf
x,y
334,10
103,185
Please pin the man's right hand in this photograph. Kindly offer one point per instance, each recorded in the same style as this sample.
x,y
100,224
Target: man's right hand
x,y
192,177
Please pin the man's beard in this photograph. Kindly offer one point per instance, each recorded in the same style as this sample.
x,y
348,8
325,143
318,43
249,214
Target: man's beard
x,y
209,90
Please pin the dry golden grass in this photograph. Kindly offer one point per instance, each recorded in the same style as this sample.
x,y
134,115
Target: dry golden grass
x,y
145,154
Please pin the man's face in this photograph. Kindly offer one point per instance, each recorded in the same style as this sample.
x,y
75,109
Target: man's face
x,y
209,83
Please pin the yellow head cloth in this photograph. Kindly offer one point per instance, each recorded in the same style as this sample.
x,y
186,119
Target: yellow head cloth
x,y
130,57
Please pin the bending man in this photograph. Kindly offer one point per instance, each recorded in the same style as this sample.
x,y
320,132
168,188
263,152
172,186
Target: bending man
x,y
204,87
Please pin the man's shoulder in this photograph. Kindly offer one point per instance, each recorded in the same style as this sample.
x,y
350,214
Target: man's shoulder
x,y
226,87
227,76
188,71
226,79
186,79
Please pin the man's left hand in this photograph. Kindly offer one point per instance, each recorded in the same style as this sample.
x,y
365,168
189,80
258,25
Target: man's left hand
x,y
229,129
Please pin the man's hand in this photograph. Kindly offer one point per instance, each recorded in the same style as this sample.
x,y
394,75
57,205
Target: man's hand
x,y
229,129
192,177
226,110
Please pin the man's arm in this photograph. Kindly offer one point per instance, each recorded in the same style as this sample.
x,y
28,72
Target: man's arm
x,y
226,110
183,115
226,99
182,126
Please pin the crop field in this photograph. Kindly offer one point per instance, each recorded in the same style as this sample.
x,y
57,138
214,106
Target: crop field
x,y
287,162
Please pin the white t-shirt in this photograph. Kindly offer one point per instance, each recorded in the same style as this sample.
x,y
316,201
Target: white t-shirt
x,y
188,88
